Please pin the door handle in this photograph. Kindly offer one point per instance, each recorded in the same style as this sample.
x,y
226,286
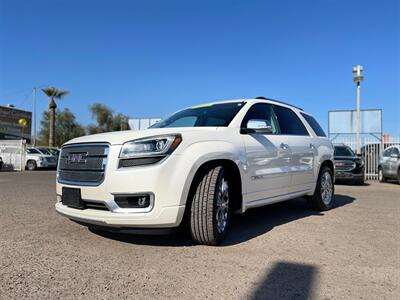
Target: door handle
x,y
284,146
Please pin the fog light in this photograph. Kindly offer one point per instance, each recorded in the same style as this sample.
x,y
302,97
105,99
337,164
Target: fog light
x,y
133,201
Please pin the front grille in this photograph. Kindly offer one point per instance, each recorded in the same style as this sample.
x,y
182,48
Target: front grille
x,y
51,159
83,164
344,165
95,205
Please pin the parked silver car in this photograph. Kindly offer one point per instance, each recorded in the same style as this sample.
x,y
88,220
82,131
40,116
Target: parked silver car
x,y
389,164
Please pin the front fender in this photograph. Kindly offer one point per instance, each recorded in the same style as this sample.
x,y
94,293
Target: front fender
x,y
198,154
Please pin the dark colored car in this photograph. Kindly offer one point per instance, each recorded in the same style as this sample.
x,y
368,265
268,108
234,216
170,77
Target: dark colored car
x,y
348,166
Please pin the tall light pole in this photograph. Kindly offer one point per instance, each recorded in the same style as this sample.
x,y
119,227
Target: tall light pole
x,y
34,118
357,79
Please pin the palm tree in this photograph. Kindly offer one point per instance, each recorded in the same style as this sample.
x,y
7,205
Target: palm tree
x,y
53,93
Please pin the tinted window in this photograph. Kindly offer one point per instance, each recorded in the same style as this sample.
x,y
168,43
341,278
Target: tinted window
x,y
32,151
44,151
201,116
387,152
314,125
288,122
395,151
343,151
261,111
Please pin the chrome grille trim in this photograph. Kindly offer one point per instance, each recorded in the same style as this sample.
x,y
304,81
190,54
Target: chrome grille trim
x,y
343,165
83,164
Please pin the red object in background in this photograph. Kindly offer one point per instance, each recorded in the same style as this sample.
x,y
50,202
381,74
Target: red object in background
x,y
385,138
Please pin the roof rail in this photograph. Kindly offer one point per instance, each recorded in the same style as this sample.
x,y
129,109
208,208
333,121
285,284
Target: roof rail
x,y
278,101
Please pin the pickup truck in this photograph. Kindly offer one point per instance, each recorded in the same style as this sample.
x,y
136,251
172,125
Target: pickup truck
x,y
196,168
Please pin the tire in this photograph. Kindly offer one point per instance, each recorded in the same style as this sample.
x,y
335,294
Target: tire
x,y
324,191
381,177
31,165
398,176
209,212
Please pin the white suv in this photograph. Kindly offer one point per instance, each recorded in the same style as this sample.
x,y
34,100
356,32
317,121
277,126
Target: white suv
x,y
36,158
197,167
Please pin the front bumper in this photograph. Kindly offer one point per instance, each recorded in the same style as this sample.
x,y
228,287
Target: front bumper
x,y
167,181
45,164
164,218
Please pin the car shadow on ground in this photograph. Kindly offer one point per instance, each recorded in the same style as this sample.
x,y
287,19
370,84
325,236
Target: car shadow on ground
x,y
244,227
287,280
348,183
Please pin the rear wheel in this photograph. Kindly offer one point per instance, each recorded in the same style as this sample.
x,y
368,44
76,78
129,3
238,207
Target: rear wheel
x,y
398,176
31,165
381,177
209,215
324,191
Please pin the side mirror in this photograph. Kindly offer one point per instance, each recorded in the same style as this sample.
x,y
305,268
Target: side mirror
x,y
257,125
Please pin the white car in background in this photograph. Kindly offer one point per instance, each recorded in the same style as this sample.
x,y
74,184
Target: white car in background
x,y
196,168
34,159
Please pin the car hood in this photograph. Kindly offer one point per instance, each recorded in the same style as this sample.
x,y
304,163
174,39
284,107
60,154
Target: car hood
x,y
120,137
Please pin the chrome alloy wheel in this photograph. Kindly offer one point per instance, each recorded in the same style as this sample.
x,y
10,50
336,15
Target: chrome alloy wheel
x,y
326,188
380,175
222,205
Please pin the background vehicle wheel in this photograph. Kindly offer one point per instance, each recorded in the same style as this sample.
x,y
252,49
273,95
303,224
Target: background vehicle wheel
x,y
324,191
31,165
209,215
381,177
398,176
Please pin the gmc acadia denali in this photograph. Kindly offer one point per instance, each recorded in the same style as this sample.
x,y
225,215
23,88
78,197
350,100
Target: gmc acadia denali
x,y
196,167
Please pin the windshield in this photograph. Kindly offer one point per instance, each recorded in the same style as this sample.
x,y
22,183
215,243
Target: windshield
x,y
44,151
33,151
202,116
343,151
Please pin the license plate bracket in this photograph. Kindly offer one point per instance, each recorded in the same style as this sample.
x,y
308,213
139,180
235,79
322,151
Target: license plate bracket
x,y
71,197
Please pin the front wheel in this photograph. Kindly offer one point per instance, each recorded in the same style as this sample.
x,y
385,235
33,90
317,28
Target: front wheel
x,y
324,191
209,215
398,176
31,165
381,177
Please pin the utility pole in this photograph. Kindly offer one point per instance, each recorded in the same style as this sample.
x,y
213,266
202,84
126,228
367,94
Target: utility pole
x,y
34,118
357,79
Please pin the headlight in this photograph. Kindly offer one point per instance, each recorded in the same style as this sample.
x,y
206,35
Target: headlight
x,y
158,145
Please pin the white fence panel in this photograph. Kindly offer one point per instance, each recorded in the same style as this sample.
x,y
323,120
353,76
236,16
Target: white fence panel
x,y
12,153
371,149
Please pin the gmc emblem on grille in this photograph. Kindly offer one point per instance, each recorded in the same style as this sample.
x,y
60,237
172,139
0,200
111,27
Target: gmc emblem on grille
x,y
77,158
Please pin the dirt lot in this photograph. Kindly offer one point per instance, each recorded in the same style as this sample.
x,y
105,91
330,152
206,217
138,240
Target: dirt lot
x,y
283,251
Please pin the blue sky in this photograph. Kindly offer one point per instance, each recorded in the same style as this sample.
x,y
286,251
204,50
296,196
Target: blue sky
x,y
150,58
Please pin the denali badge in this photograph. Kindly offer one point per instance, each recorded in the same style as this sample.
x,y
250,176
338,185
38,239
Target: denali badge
x,y
77,158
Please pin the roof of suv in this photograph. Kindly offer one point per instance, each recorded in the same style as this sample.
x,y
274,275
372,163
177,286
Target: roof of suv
x,y
255,100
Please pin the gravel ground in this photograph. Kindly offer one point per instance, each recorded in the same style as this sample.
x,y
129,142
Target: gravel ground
x,y
282,251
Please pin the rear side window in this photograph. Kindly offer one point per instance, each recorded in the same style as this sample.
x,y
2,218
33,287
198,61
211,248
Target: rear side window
x,y
314,125
288,121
